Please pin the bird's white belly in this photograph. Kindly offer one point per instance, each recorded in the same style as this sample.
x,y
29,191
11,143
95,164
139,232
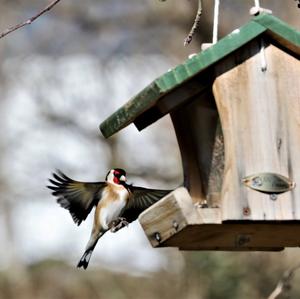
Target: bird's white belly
x,y
111,209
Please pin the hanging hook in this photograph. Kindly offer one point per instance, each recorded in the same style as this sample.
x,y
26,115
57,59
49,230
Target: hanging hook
x,y
204,46
216,21
257,9
256,3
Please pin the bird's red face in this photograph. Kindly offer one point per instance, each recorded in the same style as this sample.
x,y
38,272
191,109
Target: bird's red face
x,y
116,176
119,176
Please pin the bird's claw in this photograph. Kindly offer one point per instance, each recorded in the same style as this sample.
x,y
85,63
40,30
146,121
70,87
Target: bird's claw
x,y
118,224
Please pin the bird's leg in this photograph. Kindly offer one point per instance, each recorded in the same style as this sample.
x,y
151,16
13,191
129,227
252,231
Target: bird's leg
x,y
117,224
112,225
123,221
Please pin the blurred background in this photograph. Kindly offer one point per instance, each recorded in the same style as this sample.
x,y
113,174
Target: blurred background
x,y
59,79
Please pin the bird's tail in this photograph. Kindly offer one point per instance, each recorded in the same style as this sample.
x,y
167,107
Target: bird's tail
x,y
85,259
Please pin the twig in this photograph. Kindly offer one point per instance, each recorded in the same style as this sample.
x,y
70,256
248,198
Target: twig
x,y
284,283
29,21
189,38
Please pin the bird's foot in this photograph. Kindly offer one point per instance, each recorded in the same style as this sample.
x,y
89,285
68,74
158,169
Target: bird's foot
x,y
118,224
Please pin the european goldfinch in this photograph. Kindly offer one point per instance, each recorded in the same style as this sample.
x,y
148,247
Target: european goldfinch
x,y
116,202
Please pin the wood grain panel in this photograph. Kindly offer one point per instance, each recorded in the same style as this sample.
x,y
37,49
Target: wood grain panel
x,y
260,116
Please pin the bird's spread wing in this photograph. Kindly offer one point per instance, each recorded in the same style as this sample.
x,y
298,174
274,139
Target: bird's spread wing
x,y
141,199
77,197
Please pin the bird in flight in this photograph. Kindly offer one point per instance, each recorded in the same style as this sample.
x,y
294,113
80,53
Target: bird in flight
x,y
116,202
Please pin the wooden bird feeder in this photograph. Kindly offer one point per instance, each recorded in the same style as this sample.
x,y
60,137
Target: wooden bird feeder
x,y
236,112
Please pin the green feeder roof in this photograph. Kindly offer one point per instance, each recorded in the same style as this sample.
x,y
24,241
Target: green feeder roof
x,y
168,83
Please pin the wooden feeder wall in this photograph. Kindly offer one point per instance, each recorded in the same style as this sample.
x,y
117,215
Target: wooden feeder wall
x,y
259,113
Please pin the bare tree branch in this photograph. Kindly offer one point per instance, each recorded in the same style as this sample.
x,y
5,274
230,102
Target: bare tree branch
x,y
189,38
29,21
284,283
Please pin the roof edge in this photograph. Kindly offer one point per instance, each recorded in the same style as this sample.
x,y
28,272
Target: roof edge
x,y
148,97
126,114
280,30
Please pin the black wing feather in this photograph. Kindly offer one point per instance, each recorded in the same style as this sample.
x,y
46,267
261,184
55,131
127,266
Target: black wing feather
x,y
77,197
141,199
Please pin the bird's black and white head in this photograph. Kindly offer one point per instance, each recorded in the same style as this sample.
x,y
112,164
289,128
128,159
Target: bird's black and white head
x,y
116,176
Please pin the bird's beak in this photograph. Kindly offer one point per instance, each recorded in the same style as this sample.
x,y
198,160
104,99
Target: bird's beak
x,y
123,178
123,182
